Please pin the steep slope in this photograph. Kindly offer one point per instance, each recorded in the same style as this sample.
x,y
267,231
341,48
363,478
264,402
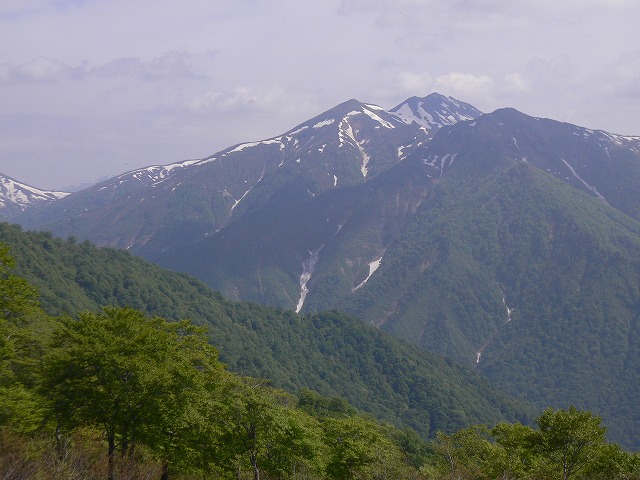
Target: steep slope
x,y
155,208
15,197
328,352
510,267
497,244
602,164
534,282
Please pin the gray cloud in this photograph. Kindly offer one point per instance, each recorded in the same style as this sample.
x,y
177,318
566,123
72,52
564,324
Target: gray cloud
x,y
101,86
170,65
623,78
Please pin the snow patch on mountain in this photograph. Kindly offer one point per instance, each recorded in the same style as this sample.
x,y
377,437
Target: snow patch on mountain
x,y
593,189
378,119
290,134
156,173
509,310
401,149
308,266
324,123
21,195
374,107
406,114
434,111
373,266
236,202
346,131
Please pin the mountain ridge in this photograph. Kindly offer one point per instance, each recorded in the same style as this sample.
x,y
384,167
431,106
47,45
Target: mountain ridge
x,y
15,197
507,242
343,146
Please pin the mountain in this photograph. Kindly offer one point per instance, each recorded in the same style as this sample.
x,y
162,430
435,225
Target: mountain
x,y
329,352
151,209
508,243
15,197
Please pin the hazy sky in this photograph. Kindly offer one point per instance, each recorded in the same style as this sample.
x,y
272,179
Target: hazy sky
x,y
96,87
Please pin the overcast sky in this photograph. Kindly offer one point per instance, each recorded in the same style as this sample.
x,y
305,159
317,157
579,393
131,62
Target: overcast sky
x,y
90,88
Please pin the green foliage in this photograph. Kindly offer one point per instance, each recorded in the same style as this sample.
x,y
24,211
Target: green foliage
x,y
136,378
331,353
566,444
21,342
509,271
155,390
568,439
320,406
260,431
17,297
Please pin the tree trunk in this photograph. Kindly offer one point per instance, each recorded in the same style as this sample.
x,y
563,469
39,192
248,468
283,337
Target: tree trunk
x,y
254,464
165,471
112,453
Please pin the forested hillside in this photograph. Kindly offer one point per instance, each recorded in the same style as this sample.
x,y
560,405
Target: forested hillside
x,y
119,394
533,282
328,352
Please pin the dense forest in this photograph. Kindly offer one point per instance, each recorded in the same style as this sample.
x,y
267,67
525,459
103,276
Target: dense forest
x,y
329,352
120,394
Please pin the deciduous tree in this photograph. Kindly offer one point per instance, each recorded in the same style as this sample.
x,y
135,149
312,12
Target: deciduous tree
x,y
135,377
568,439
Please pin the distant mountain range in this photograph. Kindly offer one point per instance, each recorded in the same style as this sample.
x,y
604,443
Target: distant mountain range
x,y
507,242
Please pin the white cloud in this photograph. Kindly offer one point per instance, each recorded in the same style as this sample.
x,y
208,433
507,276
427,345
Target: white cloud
x,y
465,83
169,65
274,98
515,82
143,70
172,64
415,82
623,77
239,97
40,69
13,8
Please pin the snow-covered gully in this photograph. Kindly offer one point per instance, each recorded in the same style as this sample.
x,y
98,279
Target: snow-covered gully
x,y
308,266
509,311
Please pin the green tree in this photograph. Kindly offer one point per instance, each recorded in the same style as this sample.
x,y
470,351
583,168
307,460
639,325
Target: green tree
x,y
515,457
568,439
466,453
358,448
132,376
611,461
17,297
20,348
261,429
321,406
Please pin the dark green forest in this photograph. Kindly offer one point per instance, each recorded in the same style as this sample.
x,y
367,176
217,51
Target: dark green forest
x,y
117,393
329,352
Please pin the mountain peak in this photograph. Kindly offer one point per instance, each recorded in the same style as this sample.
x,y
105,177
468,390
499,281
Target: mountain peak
x,y
434,111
